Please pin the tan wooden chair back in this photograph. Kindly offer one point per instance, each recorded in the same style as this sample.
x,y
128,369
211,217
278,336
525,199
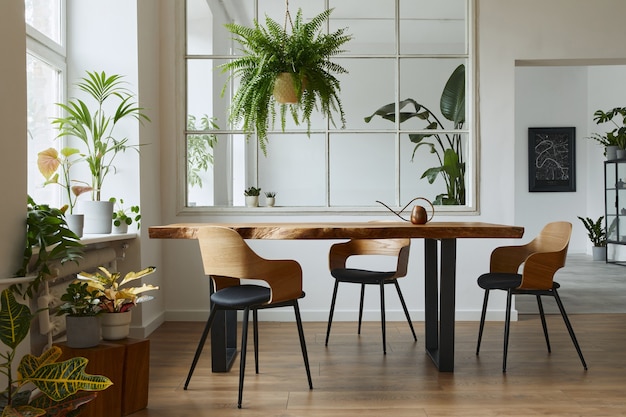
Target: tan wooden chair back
x,y
227,259
340,252
541,257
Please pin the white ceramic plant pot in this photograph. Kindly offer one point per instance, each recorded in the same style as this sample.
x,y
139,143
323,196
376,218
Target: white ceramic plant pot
x,y
115,326
98,216
82,331
252,201
270,201
75,222
121,229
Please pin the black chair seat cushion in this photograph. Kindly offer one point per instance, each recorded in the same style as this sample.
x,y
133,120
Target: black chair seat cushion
x,y
241,296
360,276
499,281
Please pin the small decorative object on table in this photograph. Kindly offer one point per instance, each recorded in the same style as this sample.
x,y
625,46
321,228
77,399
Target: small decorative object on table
x,y
418,213
116,302
252,196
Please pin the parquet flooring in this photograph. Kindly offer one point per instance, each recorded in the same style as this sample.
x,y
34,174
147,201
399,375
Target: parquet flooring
x,y
352,377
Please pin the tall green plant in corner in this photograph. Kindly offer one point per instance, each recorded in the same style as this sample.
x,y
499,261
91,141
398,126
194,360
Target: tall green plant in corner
x,y
95,127
448,147
297,55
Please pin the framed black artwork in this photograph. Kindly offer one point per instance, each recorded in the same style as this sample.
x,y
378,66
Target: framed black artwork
x,y
551,159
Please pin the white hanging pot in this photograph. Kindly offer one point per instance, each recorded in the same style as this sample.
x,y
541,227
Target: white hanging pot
x,y
115,326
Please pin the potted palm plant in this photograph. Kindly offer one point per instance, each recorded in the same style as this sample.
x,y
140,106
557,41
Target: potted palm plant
x,y
95,128
116,301
295,57
448,147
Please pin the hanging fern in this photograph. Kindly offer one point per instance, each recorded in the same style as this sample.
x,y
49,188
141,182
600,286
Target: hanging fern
x,y
268,51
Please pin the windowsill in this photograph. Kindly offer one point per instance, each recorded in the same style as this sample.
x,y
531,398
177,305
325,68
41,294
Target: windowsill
x,y
91,239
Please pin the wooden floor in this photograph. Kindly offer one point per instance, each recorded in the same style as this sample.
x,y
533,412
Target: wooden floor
x,y
352,377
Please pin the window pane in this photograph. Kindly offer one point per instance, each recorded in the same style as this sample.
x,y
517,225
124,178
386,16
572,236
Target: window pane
x,y
45,16
43,84
362,169
295,169
433,27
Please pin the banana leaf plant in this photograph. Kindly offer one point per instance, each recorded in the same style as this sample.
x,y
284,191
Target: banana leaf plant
x,y
447,146
61,387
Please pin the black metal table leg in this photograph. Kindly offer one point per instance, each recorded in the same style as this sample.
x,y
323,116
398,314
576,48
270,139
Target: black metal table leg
x,y
223,339
440,302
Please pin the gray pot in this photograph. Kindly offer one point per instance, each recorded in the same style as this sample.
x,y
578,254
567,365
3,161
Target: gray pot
x,y
82,331
611,152
599,253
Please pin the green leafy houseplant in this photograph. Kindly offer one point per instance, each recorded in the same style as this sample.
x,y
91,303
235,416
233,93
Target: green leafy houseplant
x,y
95,127
304,55
252,192
595,230
617,136
50,160
48,240
62,387
270,194
114,298
79,301
447,146
199,148
125,215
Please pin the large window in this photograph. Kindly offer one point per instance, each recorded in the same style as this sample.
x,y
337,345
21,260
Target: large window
x,y
401,49
45,68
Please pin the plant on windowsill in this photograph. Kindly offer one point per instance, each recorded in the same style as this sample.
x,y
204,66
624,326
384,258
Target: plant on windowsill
x,y
61,387
124,216
48,241
277,58
251,195
270,198
448,147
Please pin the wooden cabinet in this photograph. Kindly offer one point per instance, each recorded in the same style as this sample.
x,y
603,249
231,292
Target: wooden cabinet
x,y
127,364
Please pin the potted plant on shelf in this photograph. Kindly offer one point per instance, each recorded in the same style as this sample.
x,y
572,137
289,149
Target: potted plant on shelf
x,y
597,235
295,57
270,198
116,302
61,387
252,196
614,142
95,128
448,147
81,307
48,241
49,162
124,216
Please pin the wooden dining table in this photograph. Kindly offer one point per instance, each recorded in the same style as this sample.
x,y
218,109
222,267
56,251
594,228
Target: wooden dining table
x,y
440,251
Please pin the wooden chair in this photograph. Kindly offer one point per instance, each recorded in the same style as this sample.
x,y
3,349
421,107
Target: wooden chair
x,y
541,258
338,256
227,259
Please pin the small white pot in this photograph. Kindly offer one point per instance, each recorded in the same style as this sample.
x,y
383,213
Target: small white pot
x,y
270,201
252,201
121,229
75,223
98,216
115,326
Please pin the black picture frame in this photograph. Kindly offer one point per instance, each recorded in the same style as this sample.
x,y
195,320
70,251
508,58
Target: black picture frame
x,y
551,159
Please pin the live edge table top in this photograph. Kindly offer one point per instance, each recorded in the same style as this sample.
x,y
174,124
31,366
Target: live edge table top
x,y
345,230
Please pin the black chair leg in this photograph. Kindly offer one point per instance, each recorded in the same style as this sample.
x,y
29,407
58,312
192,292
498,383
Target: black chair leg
x,y
569,327
205,333
482,321
361,306
332,311
242,361
255,327
507,326
305,355
406,310
543,322
382,316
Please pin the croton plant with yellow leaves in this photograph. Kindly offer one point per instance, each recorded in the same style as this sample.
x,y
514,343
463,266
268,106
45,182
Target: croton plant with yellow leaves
x,y
114,298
